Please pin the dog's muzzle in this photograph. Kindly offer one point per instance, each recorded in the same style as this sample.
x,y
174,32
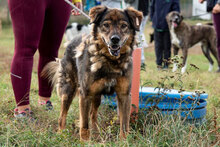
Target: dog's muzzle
x,y
114,46
175,22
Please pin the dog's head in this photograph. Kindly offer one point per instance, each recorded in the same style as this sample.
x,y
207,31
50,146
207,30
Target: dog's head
x,y
174,19
115,27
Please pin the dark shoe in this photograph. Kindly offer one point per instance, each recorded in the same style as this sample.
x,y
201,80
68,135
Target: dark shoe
x,y
48,104
143,66
159,67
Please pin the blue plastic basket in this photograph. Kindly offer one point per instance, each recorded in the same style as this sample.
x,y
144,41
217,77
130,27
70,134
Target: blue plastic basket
x,y
189,105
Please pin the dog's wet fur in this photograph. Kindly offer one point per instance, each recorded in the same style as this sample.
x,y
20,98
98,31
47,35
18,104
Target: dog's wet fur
x,y
185,36
98,64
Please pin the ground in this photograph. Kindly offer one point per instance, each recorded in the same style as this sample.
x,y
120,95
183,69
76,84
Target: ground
x,y
149,130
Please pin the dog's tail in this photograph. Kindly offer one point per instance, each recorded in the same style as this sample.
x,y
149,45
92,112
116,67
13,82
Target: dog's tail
x,y
50,71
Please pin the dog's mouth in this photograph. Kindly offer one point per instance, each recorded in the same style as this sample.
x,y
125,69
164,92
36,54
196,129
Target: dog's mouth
x,y
174,24
114,50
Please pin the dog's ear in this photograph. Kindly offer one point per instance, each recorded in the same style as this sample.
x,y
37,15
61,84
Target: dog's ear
x,y
96,13
181,17
135,17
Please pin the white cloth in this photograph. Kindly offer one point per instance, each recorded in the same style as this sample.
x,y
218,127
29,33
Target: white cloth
x,y
112,3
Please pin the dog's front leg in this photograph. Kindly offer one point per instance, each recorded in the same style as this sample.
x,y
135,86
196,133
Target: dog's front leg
x,y
65,104
175,53
124,104
96,101
84,104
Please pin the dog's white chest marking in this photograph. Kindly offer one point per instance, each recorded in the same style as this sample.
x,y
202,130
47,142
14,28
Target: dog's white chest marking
x,y
175,40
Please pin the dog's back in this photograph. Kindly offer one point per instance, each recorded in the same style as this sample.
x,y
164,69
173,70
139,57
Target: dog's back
x,y
62,71
202,33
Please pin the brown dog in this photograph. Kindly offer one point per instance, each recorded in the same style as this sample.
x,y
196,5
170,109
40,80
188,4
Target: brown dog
x,y
185,36
98,64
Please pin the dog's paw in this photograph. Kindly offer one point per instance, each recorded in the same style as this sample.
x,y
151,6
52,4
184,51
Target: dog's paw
x,y
123,136
183,70
84,134
210,67
174,67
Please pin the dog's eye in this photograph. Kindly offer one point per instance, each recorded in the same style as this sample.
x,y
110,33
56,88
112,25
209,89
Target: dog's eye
x,y
106,25
123,26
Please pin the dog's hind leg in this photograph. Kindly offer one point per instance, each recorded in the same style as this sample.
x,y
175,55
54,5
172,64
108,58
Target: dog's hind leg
x,y
84,104
185,53
66,98
205,50
215,54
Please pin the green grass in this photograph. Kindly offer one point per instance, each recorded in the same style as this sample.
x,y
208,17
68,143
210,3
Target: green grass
x,y
151,129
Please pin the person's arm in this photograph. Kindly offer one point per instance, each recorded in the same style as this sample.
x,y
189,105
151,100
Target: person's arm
x,y
216,9
78,4
176,6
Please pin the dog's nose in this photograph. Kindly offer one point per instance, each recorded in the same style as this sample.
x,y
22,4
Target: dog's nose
x,y
176,18
115,39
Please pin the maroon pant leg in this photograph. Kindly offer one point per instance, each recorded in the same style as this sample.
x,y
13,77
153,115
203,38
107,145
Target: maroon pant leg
x,y
216,20
28,20
56,19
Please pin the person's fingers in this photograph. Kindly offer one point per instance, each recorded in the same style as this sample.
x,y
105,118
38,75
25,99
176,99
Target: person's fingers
x,y
78,5
216,9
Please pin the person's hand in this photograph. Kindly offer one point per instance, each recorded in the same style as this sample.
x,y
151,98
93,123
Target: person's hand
x,y
78,5
216,9
201,1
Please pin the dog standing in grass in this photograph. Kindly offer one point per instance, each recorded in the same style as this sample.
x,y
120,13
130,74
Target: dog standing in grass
x,y
185,36
98,64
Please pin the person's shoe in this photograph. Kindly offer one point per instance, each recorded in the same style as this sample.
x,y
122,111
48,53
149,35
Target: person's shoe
x,y
48,104
165,67
143,66
159,68
24,115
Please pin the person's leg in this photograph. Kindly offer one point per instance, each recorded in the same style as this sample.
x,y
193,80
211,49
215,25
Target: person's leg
x,y
158,41
142,38
56,18
143,24
167,47
27,20
216,20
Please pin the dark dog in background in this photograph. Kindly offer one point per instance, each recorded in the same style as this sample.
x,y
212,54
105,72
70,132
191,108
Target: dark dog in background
x,y
98,64
185,36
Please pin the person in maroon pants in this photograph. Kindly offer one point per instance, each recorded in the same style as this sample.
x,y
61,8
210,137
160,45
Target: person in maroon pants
x,y
216,20
37,24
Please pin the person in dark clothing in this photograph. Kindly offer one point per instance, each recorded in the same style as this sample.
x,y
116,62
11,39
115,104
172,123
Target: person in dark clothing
x,y
158,11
